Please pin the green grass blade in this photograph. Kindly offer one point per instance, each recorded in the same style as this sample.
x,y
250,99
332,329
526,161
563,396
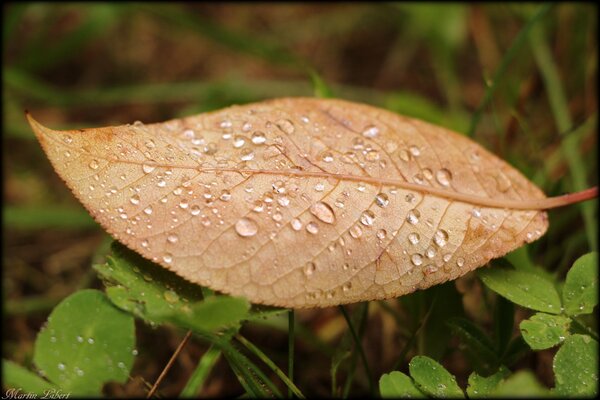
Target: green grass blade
x,y
291,340
198,378
569,144
510,54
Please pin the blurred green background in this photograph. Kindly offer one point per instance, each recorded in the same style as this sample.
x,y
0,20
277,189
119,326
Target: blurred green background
x,y
97,64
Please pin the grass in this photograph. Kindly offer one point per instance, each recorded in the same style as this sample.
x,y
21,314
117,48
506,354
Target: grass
x,y
79,65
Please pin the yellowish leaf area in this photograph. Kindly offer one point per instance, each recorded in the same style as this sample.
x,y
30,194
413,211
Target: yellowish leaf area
x,y
300,202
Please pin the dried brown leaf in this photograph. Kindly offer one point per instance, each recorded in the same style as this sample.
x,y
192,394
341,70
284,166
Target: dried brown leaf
x,y
300,202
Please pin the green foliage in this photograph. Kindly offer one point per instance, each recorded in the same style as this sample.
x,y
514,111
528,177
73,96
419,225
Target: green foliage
x,y
543,331
85,343
580,293
576,367
523,287
433,379
396,384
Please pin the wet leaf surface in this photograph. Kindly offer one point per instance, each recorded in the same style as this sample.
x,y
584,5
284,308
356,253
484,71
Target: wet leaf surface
x,y
300,202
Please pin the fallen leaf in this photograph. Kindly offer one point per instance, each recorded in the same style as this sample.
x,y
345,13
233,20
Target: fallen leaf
x,y
300,202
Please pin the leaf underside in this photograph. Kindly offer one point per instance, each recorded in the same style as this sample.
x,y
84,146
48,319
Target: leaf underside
x,y
299,202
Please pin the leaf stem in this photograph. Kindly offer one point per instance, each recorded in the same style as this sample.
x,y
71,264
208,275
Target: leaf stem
x,y
198,378
359,348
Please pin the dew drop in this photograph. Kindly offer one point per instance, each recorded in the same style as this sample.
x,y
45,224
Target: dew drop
x,y
247,155
150,144
238,141
135,199
409,198
319,187
144,243
79,339
416,259
286,126
168,258
347,286
147,168
195,210
94,164
413,216
382,200
277,216
309,268
371,131
356,231
427,173
476,212
430,252
68,139
372,155
283,201
296,224
460,261
225,195
67,153
367,218
246,227
161,183
323,212
148,210
414,238
90,340
361,187
312,227
171,297
443,176
225,124
404,155
414,150
327,156
440,237
381,234
183,204
172,238
61,366
259,137
447,257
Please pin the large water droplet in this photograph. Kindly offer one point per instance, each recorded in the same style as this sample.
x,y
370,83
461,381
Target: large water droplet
x,y
323,212
312,227
414,237
414,150
195,210
381,234
172,238
430,252
286,126
135,199
147,168
168,258
443,176
246,227
148,210
296,224
356,231
460,261
239,141
367,218
413,216
382,200
440,237
247,155
259,137
283,201
371,131
416,259
225,195
184,204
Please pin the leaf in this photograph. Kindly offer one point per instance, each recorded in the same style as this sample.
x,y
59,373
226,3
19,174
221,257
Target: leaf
x,y
519,385
86,342
396,384
576,367
300,202
580,293
543,331
480,386
22,380
158,295
526,288
433,379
